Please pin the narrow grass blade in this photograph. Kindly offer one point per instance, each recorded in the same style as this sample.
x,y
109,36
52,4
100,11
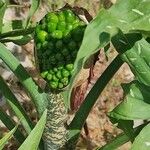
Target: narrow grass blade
x,y
34,6
15,105
9,123
6,138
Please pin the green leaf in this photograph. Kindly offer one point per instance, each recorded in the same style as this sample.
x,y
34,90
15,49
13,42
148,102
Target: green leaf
x,y
138,60
137,56
120,139
2,11
131,109
17,32
39,97
32,141
19,41
125,14
9,123
6,138
34,6
142,141
136,104
15,105
127,127
116,142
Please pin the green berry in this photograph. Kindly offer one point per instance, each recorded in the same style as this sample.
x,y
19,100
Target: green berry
x,y
44,74
74,53
59,57
45,45
52,17
64,81
72,45
65,52
55,78
69,67
47,53
42,35
57,34
38,46
61,26
50,46
69,27
55,69
67,36
76,20
53,84
51,71
51,26
75,25
59,45
60,85
77,34
58,74
60,67
61,16
65,73
68,58
52,60
70,17
49,77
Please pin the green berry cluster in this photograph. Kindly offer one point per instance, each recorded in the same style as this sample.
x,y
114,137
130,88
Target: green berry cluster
x,y
58,37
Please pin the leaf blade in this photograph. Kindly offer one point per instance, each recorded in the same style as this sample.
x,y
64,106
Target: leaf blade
x,y
33,140
6,138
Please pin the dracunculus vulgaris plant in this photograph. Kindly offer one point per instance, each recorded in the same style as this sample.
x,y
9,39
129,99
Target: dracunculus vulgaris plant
x,y
63,44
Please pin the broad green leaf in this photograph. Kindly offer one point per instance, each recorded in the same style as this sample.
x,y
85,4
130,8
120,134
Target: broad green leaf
x,y
33,140
91,98
34,6
6,138
138,59
137,56
136,104
15,106
125,14
2,11
131,109
39,97
137,90
9,123
142,141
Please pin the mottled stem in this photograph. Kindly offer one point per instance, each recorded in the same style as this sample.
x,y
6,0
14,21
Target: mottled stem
x,y
55,132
